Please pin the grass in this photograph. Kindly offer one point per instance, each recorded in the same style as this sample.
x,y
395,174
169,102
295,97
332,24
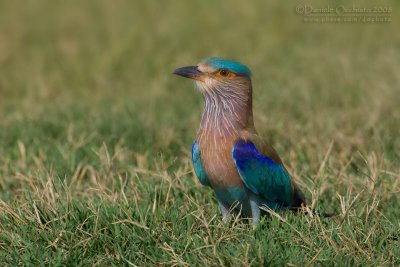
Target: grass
x,y
95,134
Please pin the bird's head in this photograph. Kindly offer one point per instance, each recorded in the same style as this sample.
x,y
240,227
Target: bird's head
x,y
218,76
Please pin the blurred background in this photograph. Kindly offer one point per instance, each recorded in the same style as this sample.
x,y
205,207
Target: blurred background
x,y
80,74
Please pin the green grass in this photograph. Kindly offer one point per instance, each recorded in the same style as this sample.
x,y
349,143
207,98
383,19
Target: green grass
x,y
95,134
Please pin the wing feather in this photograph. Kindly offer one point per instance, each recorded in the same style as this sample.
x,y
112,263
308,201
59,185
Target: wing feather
x,y
198,165
264,176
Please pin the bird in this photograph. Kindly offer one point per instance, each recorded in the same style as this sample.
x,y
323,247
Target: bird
x,y
228,155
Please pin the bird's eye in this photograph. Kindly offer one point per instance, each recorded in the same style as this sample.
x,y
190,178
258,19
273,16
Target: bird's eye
x,y
224,72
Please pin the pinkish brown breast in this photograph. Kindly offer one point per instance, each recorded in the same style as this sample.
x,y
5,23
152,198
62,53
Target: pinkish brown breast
x,y
216,155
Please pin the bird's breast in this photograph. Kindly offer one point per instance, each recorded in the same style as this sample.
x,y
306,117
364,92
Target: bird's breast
x,y
216,155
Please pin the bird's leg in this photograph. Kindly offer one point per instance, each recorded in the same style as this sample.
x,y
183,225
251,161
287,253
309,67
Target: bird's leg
x,y
255,209
226,216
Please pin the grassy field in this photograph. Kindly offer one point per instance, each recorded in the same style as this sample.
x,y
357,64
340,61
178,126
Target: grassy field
x,y
95,133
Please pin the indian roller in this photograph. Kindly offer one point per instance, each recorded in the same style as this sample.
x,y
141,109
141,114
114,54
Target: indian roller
x,y
228,155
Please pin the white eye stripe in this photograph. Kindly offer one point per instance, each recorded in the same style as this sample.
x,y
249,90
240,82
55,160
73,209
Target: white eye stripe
x,y
206,68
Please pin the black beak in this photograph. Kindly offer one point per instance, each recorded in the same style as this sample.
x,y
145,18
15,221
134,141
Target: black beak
x,y
191,72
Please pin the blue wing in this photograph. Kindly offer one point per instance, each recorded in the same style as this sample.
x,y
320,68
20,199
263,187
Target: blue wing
x,y
198,164
264,177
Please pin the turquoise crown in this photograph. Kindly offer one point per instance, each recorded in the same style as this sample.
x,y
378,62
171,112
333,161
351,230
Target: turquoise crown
x,y
231,65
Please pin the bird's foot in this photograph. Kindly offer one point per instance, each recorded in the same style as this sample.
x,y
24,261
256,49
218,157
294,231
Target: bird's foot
x,y
254,223
255,211
226,218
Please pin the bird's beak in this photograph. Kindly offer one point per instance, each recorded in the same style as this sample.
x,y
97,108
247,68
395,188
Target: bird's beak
x,y
191,72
